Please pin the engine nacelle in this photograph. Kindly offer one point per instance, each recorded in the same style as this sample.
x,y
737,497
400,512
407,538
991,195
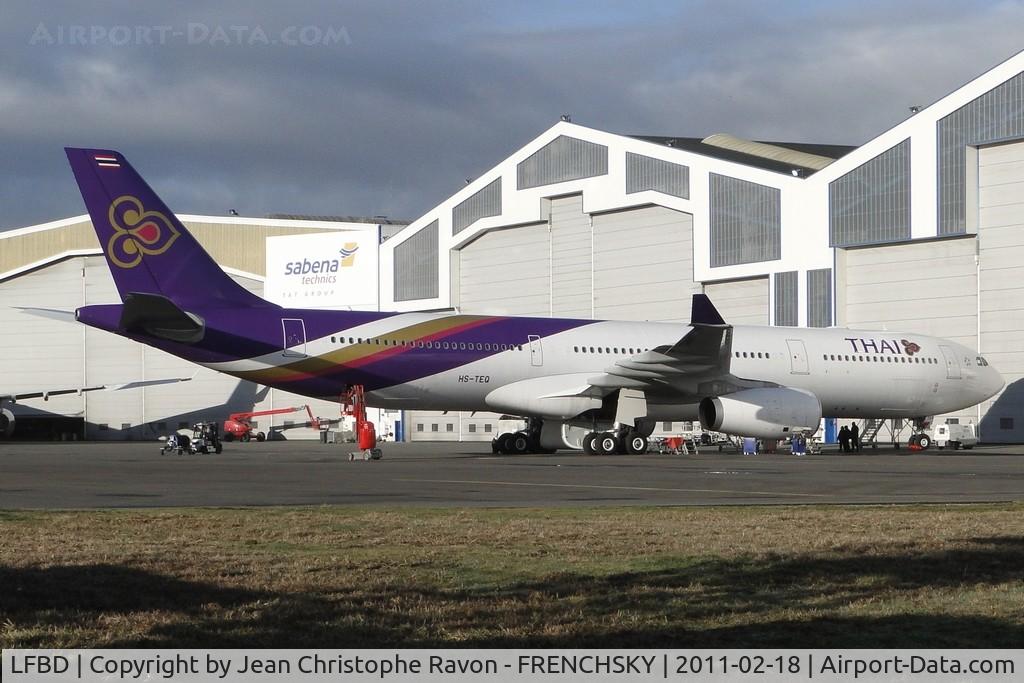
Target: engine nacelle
x,y
762,413
6,423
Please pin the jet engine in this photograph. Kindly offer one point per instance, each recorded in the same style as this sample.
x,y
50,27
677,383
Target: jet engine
x,y
6,423
768,413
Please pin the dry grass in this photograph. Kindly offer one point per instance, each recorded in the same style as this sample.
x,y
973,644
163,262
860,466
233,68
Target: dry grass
x,y
926,576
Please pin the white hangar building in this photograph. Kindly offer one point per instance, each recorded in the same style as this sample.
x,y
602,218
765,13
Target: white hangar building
x,y
921,229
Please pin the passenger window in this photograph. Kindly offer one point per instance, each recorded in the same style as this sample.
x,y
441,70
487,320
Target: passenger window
x,y
332,340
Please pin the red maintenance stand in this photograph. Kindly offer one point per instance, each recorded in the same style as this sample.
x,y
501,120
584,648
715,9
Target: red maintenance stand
x,y
353,403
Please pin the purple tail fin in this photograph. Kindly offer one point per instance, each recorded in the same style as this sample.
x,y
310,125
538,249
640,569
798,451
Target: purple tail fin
x,y
147,248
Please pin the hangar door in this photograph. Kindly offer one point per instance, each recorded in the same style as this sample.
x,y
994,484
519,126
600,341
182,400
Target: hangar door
x,y
1001,247
506,272
924,287
643,264
741,302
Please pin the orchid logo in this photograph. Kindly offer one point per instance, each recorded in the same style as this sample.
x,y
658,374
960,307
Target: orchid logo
x,y
137,232
910,347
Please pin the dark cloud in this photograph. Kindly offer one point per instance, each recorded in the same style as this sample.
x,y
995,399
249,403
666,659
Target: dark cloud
x,y
416,97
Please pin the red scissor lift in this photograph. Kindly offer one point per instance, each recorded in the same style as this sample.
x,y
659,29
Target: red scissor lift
x,y
353,404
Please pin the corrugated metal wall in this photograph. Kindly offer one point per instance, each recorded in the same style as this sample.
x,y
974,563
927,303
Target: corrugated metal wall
x,y
741,302
819,298
923,287
643,264
871,203
415,266
1001,283
43,354
486,202
507,272
571,258
746,221
238,246
996,115
786,299
647,173
562,159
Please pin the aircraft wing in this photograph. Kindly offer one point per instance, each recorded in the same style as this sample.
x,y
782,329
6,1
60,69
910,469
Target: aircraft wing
x,y
696,365
46,394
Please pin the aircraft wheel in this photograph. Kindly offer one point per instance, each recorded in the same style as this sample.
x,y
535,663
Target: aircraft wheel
x,y
636,445
588,443
924,441
505,443
520,443
607,444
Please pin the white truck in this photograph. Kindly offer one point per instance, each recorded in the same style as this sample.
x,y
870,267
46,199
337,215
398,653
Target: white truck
x,y
956,436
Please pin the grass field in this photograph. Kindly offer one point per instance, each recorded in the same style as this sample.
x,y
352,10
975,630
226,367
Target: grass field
x,y
911,576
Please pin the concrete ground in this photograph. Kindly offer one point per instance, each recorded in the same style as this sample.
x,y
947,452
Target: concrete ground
x,y
94,475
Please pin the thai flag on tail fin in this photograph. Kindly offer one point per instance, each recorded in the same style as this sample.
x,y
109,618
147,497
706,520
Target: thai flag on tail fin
x,y
106,161
147,248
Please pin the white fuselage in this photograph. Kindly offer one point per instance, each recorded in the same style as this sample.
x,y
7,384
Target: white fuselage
x,y
853,373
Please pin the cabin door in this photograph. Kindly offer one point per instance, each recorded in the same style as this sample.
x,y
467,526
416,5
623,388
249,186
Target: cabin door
x,y
536,352
294,344
952,362
797,357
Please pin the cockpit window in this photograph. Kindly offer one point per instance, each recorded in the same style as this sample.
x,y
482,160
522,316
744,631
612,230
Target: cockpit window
x,y
982,362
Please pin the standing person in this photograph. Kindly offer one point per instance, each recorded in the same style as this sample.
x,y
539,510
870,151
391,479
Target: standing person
x,y
844,439
855,437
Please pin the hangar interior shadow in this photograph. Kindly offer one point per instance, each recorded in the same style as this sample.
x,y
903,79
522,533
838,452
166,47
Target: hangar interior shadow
x,y
1007,405
669,607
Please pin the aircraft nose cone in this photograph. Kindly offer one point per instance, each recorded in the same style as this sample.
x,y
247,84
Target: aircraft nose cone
x,y
994,383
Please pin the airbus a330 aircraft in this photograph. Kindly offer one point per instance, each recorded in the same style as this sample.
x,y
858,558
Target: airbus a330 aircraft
x,y
614,378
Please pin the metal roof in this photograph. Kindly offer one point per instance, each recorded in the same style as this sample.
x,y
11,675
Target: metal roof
x,y
373,220
803,165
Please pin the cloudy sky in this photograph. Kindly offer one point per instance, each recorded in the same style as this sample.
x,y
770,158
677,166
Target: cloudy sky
x,y
385,108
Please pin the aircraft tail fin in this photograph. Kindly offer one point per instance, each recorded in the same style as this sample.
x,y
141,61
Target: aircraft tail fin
x,y
147,248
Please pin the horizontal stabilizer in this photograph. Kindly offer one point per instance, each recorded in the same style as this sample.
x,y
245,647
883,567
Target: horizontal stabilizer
x,y
50,313
158,316
47,394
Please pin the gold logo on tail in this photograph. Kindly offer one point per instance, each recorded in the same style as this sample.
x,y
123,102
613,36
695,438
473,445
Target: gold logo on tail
x,y
137,232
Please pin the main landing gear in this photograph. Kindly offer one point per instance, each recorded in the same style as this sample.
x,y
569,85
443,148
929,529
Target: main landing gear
x,y
610,443
523,442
